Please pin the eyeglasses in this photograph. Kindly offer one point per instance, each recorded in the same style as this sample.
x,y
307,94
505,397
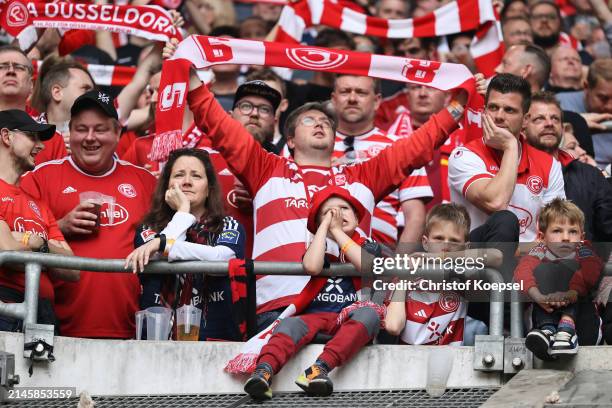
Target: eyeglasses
x,y
549,17
310,122
6,66
265,111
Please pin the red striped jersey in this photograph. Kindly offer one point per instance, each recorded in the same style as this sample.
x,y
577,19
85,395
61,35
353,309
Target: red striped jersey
x,y
281,189
434,318
539,181
416,185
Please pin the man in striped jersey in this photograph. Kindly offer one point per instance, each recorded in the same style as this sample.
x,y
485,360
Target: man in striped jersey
x,y
282,188
356,100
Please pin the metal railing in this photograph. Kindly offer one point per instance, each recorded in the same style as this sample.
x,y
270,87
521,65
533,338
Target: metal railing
x,y
517,311
34,261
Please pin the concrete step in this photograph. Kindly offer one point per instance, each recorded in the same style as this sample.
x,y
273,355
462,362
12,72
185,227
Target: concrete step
x,y
589,388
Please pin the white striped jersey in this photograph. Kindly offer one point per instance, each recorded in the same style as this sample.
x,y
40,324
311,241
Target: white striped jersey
x,y
356,149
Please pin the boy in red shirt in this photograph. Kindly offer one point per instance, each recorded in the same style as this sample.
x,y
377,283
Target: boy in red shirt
x,y
325,305
555,274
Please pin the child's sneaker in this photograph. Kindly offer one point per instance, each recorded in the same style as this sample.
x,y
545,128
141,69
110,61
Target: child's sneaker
x,y
539,343
315,381
564,343
258,384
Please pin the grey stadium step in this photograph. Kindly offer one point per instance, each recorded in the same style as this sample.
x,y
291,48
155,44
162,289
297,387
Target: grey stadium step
x,y
453,398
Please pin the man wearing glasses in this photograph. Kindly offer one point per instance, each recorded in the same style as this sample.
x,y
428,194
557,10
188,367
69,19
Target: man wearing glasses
x,y
26,224
282,188
15,88
545,19
356,100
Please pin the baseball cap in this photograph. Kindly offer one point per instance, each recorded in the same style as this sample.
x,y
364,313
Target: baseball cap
x,y
323,195
258,88
95,99
16,119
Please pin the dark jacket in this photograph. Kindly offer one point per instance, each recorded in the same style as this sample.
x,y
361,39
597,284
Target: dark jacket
x,y
589,190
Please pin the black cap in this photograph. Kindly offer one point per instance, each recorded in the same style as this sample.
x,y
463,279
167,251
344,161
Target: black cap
x,y
258,88
95,99
16,119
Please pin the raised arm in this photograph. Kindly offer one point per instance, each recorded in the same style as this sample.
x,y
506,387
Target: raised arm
x,y
386,171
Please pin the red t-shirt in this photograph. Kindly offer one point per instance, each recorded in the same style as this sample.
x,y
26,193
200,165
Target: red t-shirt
x,y
100,304
23,213
55,149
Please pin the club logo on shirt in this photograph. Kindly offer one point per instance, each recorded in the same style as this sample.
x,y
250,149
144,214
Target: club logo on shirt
x,y
340,179
449,301
535,184
147,235
375,149
314,58
127,190
35,208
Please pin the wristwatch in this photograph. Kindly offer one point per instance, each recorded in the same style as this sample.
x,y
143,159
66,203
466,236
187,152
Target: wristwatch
x,y
44,248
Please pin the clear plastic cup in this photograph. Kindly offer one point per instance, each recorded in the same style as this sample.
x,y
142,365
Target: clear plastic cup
x,y
158,323
140,317
103,205
188,323
439,366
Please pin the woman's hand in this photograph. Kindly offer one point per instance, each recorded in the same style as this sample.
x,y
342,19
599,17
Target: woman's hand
x,y
139,257
177,200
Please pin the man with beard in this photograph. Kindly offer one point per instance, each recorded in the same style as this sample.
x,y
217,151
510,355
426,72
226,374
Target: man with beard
x,y
584,184
546,22
500,173
26,224
355,100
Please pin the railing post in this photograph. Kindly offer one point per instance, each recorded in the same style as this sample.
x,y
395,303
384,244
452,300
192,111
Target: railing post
x,y
32,284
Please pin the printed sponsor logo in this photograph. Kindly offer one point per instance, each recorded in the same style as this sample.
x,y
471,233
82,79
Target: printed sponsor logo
x,y
8,199
229,237
316,59
22,225
17,15
535,184
449,301
127,190
525,218
296,203
118,215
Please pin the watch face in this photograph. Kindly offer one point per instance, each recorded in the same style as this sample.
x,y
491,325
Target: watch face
x,y
44,248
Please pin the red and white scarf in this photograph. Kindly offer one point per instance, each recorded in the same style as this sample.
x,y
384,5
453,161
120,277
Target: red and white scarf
x,y
21,19
203,52
103,75
456,17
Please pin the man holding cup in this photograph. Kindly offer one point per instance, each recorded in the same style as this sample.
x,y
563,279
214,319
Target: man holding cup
x,y
99,224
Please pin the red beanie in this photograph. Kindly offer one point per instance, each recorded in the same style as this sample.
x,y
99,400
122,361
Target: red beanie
x,y
323,195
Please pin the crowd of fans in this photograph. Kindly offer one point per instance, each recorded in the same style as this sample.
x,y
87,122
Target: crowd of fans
x,y
315,169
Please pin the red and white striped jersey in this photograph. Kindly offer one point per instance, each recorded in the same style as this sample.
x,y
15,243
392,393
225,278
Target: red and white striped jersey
x,y
281,189
434,318
539,181
416,185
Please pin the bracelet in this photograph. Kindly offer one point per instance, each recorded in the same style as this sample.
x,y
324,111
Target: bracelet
x,y
162,242
169,244
26,238
455,109
346,246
